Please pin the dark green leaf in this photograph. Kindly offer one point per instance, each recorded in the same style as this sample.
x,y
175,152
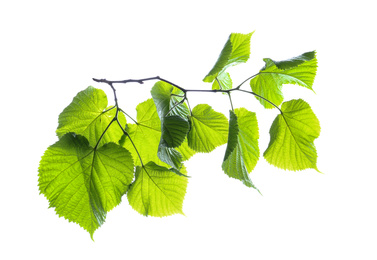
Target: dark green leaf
x,y
174,131
167,101
242,150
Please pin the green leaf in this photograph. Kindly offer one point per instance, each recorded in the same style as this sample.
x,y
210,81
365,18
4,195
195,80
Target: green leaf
x,y
83,184
209,129
146,136
157,191
236,50
292,135
242,150
224,80
300,70
87,115
170,156
248,137
176,97
185,151
173,115
232,135
166,97
174,131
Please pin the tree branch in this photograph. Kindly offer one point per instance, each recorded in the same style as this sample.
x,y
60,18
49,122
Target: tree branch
x,y
141,81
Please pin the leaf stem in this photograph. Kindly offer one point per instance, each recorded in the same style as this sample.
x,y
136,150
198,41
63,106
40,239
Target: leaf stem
x,y
133,144
188,104
238,87
121,110
175,105
218,82
230,99
103,133
255,94
107,110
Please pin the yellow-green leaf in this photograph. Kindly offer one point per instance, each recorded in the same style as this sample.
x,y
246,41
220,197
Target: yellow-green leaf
x,y
236,50
157,191
300,70
292,134
83,183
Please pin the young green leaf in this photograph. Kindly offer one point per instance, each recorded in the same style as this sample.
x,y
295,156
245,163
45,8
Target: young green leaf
x,y
145,134
86,115
224,80
209,129
242,150
236,50
300,70
157,191
83,183
292,135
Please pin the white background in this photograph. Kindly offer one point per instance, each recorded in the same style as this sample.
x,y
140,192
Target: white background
x,y
50,51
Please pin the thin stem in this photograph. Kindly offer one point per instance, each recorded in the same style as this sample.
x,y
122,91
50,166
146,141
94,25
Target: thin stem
x,y
133,144
128,116
262,98
115,95
175,95
218,82
141,81
230,99
175,105
184,90
100,138
188,104
107,110
238,87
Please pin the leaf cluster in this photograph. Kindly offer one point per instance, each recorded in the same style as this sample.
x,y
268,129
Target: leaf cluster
x,y
100,156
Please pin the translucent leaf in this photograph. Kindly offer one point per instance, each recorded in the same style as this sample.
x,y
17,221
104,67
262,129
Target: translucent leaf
x,y
292,135
157,191
236,50
300,70
166,97
146,136
87,115
248,137
209,129
185,151
242,150
83,184
224,80
167,100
